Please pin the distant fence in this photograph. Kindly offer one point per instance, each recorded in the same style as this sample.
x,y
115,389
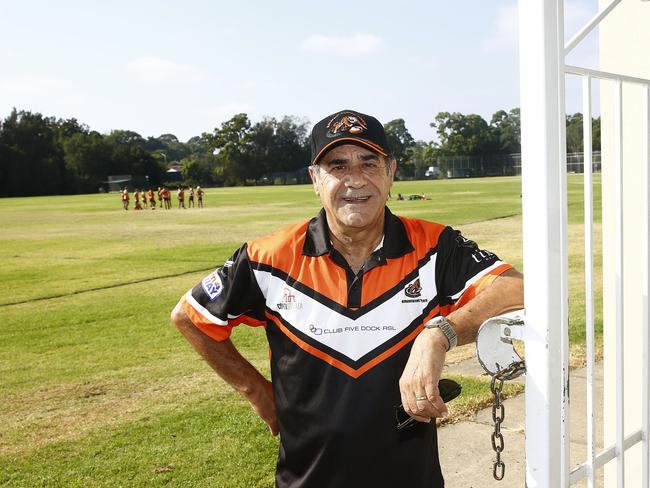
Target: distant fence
x,y
503,165
117,182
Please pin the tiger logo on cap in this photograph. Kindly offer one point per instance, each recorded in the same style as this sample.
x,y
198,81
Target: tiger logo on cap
x,y
346,122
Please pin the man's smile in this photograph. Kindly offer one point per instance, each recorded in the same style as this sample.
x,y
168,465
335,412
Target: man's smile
x,y
357,199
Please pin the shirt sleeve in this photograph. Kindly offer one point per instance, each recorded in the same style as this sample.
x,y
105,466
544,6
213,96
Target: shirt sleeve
x,y
463,270
225,298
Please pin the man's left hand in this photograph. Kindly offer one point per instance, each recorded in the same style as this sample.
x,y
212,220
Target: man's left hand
x,y
419,382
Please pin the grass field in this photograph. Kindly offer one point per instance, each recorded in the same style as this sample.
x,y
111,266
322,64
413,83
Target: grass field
x,y
99,390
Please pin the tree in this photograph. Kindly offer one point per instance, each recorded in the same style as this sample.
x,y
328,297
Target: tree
x,y
199,168
399,139
230,143
198,144
463,135
129,156
291,145
507,127
32,162
169,145
574,133
595,133
261,148
422,155
88,159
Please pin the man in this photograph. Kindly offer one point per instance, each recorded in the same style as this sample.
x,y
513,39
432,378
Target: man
x,y
125,198
344,299
152,199
199,196
136,200
191,198
167,198
181,196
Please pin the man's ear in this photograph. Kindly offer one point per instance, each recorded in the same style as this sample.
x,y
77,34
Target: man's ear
x,y
393,168
314,178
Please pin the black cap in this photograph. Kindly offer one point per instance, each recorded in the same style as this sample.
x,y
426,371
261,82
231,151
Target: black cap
x,y
348,127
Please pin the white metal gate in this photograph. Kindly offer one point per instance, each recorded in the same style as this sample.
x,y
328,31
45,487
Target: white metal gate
x,y
544,190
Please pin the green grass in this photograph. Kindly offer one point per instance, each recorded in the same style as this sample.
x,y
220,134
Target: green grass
x,y
99,390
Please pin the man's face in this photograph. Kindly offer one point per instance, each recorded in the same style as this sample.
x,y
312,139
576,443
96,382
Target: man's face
x,y
353,184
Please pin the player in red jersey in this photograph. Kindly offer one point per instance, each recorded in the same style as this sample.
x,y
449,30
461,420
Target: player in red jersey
x,y
125,198
191,198
181,196
152,199
136,200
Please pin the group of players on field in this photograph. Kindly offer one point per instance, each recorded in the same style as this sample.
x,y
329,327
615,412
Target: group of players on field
x,y
140,198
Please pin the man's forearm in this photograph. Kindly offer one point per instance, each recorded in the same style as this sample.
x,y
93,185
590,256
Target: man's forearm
x,y
504,295
235,370
223,357
427,357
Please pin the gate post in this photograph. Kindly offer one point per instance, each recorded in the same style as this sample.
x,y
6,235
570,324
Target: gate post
x,y
541,45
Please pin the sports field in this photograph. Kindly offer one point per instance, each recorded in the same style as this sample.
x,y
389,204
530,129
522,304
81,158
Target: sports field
x,y
97,389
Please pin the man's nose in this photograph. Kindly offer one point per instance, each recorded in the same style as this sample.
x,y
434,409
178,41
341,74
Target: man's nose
x,y
356,176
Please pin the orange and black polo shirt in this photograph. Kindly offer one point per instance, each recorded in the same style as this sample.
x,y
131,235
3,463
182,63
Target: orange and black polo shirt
x,y
339,341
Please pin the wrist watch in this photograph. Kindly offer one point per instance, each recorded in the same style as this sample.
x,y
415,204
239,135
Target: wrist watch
x,y
444,325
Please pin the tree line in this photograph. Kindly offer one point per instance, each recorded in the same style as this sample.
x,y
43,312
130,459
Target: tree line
x,y
42,155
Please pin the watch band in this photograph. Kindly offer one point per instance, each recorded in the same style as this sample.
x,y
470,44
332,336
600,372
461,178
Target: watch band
x,y
444,325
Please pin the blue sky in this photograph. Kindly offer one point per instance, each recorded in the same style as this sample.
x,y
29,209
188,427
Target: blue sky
x,y
185,67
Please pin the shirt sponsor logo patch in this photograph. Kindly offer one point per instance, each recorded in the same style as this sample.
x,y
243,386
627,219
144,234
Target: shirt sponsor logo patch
x,y
350,329
413,291
212,285
288,301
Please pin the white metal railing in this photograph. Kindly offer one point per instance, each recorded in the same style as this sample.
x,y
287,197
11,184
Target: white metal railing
x,y
589,277
543,207
645,316
622,444
542,54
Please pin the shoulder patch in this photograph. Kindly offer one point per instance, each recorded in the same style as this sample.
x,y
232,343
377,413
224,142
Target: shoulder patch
x,y
212,285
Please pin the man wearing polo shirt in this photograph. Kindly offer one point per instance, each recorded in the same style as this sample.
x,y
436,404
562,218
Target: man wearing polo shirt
x,y
360,307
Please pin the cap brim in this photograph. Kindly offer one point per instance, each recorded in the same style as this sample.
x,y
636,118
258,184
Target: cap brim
x,y
352,140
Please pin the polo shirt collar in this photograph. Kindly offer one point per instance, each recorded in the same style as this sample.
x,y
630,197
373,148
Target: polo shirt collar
x,y
395,241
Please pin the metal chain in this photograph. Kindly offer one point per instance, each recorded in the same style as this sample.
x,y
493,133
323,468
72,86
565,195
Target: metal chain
x,y
499,468
499,413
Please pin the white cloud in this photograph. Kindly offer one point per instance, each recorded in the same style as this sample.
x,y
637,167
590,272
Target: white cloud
x,y
505,30
32,85
152,70
249,84
356,45
8,52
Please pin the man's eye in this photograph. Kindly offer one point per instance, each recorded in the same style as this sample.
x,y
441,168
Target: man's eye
x,y
370,166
